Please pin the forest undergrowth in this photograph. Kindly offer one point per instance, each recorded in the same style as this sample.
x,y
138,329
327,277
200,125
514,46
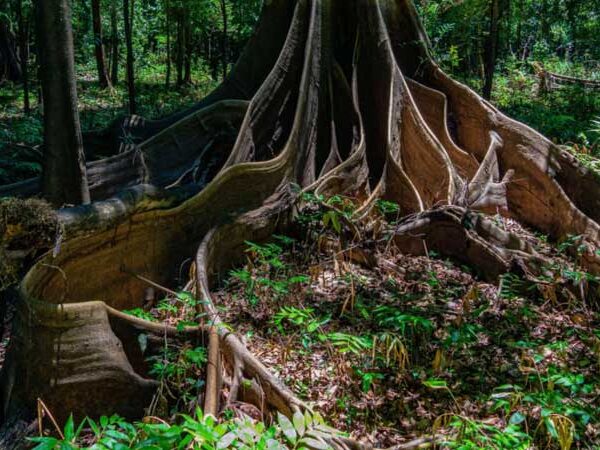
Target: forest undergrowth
x,y
392,349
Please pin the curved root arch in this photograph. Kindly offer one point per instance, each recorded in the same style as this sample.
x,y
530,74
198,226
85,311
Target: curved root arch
x,y
347,102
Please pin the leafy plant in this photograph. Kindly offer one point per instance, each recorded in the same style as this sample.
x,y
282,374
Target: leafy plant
x,y
474,435
140,313
198,432
407,325
303,318
348,343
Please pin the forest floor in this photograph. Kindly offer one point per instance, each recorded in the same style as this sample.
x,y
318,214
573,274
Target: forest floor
x,y
390,347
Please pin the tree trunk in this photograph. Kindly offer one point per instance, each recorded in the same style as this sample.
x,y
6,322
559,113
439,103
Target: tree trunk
x,y
519,34
168,33
333,97
127,19
24,54
10,67
64,173
544,20
187,77
114,43
225,38
103,78
491,49
180,47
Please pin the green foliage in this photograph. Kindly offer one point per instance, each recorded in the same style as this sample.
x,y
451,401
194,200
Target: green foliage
x,y
304,319
140,313
198,432
474,435
368,378
349,343
271,276
406,324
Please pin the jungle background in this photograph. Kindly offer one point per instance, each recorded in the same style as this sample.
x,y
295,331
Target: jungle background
x,y
182,49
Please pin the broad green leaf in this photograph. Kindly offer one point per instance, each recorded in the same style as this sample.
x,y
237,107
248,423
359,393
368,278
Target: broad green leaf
x,y
435,384
227,440
287,428
516,418
299,423
316,444
143,341
69,429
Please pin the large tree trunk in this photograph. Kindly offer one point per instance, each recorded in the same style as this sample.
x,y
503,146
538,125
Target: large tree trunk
x,y
103,78
127,19
333,96
64,172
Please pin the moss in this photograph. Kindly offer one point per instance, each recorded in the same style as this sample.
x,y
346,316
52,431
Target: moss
x,y
25,226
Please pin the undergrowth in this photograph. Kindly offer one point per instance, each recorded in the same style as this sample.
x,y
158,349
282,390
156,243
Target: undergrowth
x,y
389,347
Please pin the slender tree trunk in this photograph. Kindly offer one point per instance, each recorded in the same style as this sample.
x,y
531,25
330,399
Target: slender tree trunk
x,y
64,174
24,54
225,49
114,33
10,68
168,32
544,20
103,79
38,68
491,49
180,48
519,33
187,31
130,59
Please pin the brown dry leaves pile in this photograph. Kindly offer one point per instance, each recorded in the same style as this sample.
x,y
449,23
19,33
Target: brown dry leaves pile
x,y
428,319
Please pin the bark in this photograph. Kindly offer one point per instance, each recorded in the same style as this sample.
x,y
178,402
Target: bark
x,y
188,50
180,47
491,49
10,67
103,78
114,43
24,54
168,33
64,172
127,20
330,96
225,38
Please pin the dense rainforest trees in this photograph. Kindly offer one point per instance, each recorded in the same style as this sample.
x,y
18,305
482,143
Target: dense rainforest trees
x,y
10,68
330,97
103,78
23,20
462,31
64,178
491,49
212,32
127,18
